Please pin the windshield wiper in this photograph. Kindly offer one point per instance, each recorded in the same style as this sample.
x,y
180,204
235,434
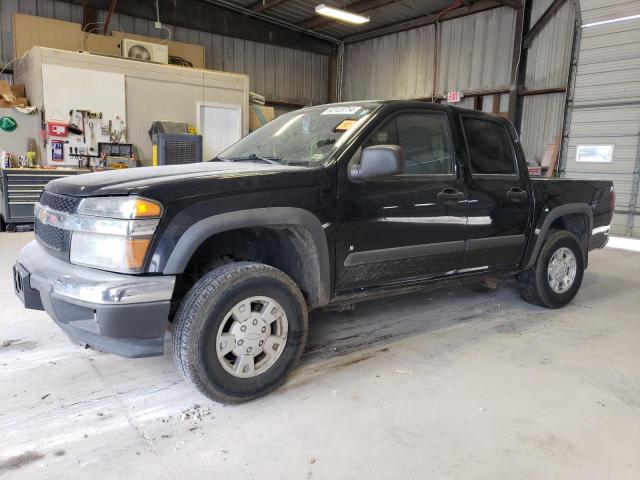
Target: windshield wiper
x,y
298,163
253,158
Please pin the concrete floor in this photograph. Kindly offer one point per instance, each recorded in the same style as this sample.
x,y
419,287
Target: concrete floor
x,y
451,384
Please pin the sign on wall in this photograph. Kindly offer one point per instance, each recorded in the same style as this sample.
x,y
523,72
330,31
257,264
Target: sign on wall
x,y
454,97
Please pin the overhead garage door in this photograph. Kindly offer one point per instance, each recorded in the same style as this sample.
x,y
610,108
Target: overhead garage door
x,y
605,117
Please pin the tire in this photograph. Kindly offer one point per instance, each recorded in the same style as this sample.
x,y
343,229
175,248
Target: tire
x,y
215,308
537,283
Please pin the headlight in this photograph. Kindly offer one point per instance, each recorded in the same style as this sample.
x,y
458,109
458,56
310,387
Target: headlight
x,y
109,252
120,207
113,233
110,233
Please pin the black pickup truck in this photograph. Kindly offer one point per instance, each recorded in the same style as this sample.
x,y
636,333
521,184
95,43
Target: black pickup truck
x,y
323,207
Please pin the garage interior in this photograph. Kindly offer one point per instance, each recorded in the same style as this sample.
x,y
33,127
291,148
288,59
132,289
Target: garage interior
x,y
453,383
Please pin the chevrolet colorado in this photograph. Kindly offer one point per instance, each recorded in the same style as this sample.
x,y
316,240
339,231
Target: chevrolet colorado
x,y
323,207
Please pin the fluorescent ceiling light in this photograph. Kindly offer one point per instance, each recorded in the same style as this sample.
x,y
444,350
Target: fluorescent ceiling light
x,y
614,20
340,14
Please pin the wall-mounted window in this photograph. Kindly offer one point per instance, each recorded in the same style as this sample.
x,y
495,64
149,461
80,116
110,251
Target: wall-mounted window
x,y
594,153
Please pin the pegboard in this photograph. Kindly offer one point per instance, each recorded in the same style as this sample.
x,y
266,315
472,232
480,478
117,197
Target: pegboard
x,y
69,88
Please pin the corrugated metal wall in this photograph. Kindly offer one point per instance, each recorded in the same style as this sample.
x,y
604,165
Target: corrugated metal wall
x,y
476,50
279,73
606,107
392,66
474,55
548,62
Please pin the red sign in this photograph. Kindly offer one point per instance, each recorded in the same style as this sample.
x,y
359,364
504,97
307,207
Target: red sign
x,y
454,97
57,129
535,170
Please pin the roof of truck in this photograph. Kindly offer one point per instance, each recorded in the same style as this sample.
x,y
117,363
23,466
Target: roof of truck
x,y
417,101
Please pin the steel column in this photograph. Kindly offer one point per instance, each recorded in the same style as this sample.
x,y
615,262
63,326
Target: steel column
x,y
571,87
633,201
518,63
548,14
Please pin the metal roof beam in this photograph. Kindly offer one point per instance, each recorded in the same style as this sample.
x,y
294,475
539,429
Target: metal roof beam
x,y
512,3
548,14
262,5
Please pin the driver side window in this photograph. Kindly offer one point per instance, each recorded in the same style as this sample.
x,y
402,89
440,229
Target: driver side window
x,y
424,140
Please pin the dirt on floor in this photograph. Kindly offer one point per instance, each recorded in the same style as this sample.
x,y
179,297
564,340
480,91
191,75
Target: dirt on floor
x,y
449,384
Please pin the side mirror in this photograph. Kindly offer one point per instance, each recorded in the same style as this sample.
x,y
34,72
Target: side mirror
x,y
378,161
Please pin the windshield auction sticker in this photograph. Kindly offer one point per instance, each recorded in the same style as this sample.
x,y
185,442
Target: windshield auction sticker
x,y
345,125
347,110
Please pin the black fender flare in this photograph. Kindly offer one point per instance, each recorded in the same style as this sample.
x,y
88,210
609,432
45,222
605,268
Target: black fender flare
x,y
200,231
541,232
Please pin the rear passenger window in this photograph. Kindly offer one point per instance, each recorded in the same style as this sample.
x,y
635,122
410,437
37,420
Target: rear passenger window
x,y
489,147
424,140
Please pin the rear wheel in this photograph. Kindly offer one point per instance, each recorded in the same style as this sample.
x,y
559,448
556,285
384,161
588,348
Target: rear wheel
x,y
239,331
557,275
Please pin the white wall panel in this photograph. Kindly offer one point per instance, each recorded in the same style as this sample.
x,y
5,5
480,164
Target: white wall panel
x,y
599,10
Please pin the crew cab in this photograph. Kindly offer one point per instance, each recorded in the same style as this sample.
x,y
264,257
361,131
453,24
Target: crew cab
x,y
323,207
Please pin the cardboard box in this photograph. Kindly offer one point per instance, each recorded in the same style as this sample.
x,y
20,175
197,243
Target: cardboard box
x,y
19,90
32,31
12,95
5,89
260,115
18,102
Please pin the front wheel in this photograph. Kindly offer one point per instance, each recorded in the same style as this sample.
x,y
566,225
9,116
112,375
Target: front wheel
x,y
239,331
556,277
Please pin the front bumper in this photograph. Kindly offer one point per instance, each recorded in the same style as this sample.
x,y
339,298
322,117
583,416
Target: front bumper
x,y
111,312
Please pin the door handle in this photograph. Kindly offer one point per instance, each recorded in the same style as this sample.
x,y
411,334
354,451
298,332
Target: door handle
x,y
450,195
516,194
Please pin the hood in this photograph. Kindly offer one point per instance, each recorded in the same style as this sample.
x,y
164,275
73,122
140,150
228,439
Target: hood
x,y
182,180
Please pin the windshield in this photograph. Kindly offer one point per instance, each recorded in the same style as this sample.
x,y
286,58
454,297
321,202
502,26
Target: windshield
x,y
303,137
